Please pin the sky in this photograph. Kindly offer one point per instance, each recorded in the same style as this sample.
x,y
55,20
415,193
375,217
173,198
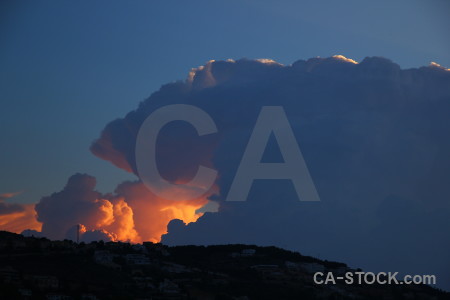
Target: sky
x,y
68,69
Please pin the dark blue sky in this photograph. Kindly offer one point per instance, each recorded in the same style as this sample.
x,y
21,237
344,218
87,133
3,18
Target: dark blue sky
x,y
68,68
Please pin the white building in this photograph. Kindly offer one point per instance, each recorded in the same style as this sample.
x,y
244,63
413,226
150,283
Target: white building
x,y
168,287
137,259
244,253
312,267
103,257
248,252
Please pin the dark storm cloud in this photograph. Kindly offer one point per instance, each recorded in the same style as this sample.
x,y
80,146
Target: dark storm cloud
x,y
375,139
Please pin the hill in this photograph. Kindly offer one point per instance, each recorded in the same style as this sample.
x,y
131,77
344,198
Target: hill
x,y
37,268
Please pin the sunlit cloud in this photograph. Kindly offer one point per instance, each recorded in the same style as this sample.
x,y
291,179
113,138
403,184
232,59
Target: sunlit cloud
x,y
20,221
5,196
343,58
436,65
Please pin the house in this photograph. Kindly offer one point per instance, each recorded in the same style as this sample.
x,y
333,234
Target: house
x,y
9,275
292,265
175,268
139,248
339,270
248,252
17,244
88,297
168,287
44,282
265,268
243,253
269,271
106,258
157,247
103,257
25,293
312,267
145,282
58,297
137,259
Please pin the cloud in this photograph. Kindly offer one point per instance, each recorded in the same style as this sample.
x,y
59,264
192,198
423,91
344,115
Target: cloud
x,y
31,232
151,214
132,213
80,204
17,217
97,235
81,234
6,196
77,203
374,137
9,208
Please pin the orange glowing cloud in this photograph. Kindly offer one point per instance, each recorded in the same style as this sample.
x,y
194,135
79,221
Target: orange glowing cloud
x,y
113,221
19,221
343,58
151,214
137,216
436,65
133,214
123,225
5,196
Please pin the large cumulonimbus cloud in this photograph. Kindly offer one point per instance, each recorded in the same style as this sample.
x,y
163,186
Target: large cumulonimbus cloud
x,y
376,140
